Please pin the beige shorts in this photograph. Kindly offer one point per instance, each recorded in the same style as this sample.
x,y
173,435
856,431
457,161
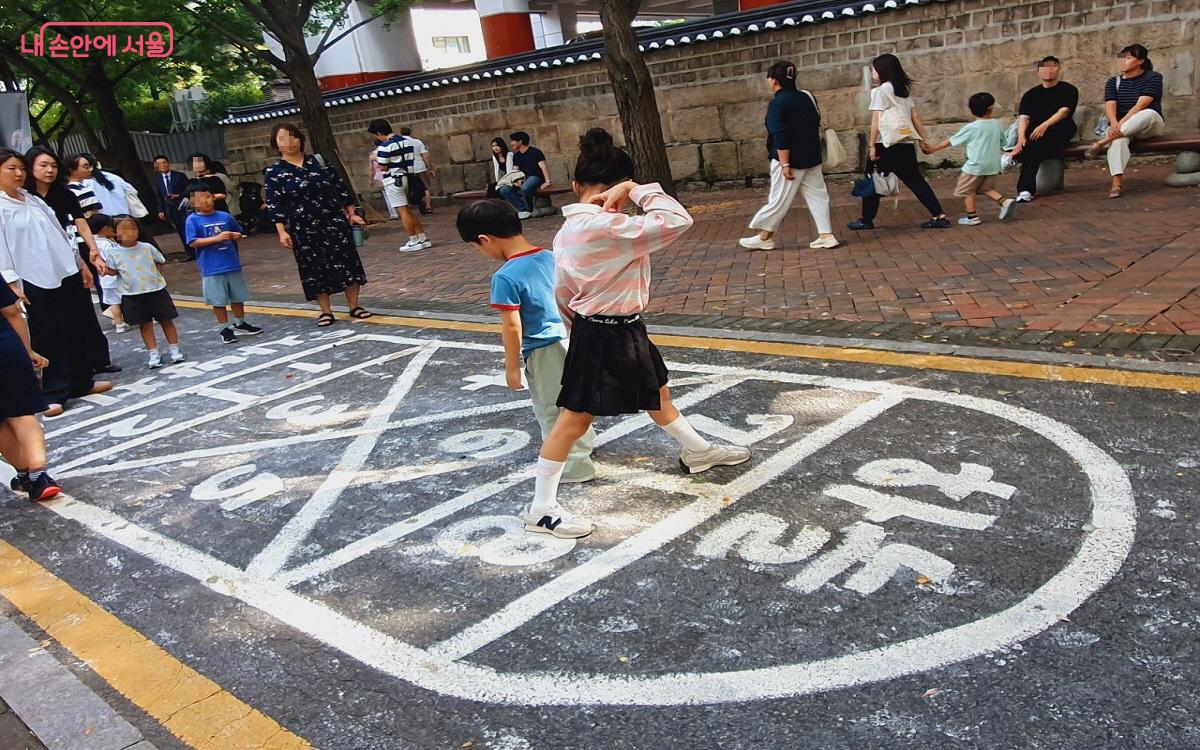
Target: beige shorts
x,y
972,184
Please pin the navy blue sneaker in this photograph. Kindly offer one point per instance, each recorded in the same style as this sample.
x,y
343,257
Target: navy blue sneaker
x,y
860,224
942,223
42,488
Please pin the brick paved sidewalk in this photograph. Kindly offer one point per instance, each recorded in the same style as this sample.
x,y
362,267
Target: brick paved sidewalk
x,y
1072,263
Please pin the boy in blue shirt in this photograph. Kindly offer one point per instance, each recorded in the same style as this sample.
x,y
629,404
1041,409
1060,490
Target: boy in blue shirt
x,y
531,325
984,141
213,235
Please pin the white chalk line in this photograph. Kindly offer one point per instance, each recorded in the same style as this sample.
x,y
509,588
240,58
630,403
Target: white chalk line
x,y
530,605
275,555
400,529
212,416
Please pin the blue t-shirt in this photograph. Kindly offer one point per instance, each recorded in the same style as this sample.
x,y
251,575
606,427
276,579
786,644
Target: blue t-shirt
x,y
221,257
984,141
526,283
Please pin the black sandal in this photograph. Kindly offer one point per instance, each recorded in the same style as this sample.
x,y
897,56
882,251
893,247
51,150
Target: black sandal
x,y
324,320
360,313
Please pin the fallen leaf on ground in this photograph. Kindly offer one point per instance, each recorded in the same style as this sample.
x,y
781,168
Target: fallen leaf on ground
x,y
924,580
931,692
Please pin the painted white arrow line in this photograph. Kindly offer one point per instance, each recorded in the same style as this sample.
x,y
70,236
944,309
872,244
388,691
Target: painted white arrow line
x,y
525,608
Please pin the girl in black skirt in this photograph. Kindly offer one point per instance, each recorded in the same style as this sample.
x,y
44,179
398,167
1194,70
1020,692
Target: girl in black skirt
x,y
22,442
602,261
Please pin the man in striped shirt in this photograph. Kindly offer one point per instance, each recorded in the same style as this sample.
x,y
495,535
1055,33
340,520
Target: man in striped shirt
x,y
395,155
1133,104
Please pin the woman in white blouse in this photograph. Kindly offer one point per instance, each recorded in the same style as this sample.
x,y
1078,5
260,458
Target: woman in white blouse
x,y
40,264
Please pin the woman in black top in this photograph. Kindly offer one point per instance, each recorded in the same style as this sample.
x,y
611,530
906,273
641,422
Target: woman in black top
x,y
501,164
22,442
313,211
43,181
203,166
794,148
1133,105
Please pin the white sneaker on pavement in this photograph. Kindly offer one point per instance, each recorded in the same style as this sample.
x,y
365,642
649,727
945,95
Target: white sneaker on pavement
x,y
410,247
718,455
756,243
824,243
155,360
523,215
1024,197
121,327
1006,209
557,522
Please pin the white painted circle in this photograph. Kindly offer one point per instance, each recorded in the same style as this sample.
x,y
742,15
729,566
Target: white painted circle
x,y
1100,555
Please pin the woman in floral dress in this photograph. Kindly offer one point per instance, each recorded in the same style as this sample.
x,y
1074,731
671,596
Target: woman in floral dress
x,y
313,210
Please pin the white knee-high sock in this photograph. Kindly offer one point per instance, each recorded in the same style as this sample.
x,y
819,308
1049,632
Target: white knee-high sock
x,y
686,435
545,485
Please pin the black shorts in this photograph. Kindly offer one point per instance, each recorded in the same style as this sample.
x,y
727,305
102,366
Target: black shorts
x,y
612,367
143,308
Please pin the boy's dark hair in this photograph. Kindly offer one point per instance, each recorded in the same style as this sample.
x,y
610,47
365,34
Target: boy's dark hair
x,y
600,162
197,186
202,157
120,219
1049,59
980,103
96,222
1140,53
492,216
520,137
160,156
380,127
406,130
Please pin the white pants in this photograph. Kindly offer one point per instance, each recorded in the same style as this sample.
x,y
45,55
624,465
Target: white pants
x,y
1145,124
810,182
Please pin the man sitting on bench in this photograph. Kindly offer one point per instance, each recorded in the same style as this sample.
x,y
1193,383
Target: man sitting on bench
x,y
1133,104
1046,124
532,162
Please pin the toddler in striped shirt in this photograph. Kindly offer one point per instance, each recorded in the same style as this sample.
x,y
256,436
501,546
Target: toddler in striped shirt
x,y
602,282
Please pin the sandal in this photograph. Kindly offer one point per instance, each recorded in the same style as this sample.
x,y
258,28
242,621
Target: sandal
x,y
360,313
1115,193
1091,153
324,320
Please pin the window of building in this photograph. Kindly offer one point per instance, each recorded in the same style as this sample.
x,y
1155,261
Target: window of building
x,y
452,43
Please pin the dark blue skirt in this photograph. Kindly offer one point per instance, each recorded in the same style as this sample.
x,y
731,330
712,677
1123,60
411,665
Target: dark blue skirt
x,y
20,395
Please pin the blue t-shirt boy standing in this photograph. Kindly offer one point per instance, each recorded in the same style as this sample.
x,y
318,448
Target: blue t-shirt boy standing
x,y
531,326
213,235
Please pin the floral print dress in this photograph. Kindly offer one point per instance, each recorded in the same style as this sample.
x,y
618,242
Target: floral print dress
x,y
310,200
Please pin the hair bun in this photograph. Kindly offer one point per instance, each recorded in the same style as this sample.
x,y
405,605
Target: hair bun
x,y
596,142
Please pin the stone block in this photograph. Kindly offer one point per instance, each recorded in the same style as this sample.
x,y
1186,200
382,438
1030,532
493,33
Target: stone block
x,y
460,148
744,121
752,158
1050,177
1187,162
720,159
1184,180
696,124
684,160
449,180
475,176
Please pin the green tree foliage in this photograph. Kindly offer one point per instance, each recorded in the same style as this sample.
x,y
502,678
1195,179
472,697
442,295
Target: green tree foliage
x,y
216,107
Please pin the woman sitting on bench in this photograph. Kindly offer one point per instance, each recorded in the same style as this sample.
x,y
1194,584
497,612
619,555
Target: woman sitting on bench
x,y
1133,104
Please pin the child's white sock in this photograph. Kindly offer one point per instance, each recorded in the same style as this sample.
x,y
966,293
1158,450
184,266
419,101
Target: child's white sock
x,y
686,435
545,485
413,238
422,237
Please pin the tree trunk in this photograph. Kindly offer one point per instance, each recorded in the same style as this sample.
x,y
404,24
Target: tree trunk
x,y
300,70
120,142
633,88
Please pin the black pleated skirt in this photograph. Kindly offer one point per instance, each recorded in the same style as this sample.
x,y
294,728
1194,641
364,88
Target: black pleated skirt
x,y
612,367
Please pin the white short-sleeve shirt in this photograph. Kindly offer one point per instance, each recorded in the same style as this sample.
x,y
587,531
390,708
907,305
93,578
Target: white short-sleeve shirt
x,y
419,151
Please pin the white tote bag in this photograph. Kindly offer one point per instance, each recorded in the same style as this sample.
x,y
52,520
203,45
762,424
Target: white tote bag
x,y
137,209
832,153
895,124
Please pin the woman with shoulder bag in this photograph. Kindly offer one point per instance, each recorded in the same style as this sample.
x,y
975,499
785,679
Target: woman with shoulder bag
x,y
896,128
794,147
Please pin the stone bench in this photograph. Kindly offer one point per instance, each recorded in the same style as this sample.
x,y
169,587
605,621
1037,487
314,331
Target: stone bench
x,y
1052,173
542,203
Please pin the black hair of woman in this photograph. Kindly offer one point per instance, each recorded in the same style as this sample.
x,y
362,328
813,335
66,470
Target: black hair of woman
x,y
783,73
891,71
1141,53
30,157
600,161
502,144
8,153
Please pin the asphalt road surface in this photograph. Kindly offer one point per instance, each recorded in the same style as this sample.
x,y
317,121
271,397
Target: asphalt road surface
x,y
322,524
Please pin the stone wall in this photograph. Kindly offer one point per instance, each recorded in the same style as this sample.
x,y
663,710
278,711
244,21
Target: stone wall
x,y
712,95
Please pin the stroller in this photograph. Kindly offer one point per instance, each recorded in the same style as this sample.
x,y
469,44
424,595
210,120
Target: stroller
x,y
253,218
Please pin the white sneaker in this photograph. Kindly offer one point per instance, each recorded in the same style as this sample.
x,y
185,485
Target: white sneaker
x,y
177,356
717,455
426,244
557,523
824,243
155,360
970,221
1024,196
756,243
121,327
410,247
1006,208
523,215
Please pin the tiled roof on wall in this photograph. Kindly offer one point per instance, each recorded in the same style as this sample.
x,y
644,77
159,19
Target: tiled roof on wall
x,y
694,32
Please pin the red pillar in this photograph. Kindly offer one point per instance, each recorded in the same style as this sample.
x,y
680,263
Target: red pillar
x,y
507,29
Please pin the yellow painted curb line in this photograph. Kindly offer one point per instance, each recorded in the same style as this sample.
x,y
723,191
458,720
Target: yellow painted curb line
x,y
192,707
949,363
